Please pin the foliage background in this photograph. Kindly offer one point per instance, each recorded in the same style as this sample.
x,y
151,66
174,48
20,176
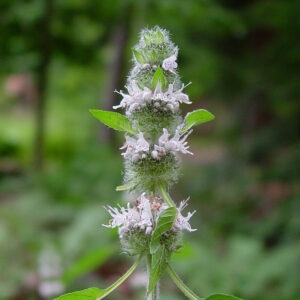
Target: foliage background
x,y
58,166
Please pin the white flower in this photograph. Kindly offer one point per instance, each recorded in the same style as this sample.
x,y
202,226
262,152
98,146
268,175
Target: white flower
x,y
171,96
135,148
144,215
134,97
142,144
181,222
140,217
170,64
177,143
137,97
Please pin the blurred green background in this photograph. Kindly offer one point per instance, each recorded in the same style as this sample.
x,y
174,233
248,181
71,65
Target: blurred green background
x,y
59,166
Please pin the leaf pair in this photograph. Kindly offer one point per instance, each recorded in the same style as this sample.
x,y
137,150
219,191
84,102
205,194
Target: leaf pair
x,y
159,254
113,120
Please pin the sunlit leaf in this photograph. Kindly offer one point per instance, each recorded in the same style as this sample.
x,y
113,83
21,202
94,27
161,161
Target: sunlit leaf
x,y
197,117
164,223
113,120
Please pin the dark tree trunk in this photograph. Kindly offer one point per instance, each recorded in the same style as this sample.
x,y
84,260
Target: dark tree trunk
x,y
42,80
116,69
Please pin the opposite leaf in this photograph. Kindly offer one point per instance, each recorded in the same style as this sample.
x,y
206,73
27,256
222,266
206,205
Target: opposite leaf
x,y
138,56
113,120
222,297
196,117
164,223
158,76
158,265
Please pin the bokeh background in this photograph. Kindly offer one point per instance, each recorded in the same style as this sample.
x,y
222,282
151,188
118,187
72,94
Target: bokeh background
x,y
59,165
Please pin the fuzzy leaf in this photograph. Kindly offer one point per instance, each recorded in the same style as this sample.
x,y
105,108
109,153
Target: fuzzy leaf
x,y
95,293
124,187
158,265
158,76
138,56
221,297
197,117
159,36
165,222
153,55
113,120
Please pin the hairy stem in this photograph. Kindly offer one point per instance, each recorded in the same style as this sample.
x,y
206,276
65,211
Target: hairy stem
x,y
166,195
186,290
120,280
155,293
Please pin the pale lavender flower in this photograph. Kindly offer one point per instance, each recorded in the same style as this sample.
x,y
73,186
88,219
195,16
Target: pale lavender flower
x,y
170,64
171,96
137,97
134,97
177,143
182,223
135,147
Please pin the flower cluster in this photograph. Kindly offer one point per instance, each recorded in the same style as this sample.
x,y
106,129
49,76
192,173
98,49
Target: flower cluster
x,y
143,216
138,98
138,148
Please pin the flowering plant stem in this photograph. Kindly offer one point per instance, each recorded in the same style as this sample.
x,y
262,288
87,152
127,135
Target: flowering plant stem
x,y
154,295
165,195
187,291
155,134
122,279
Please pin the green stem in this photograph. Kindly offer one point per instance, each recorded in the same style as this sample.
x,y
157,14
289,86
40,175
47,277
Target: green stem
x,y
121,280
154,295
187,291
166,195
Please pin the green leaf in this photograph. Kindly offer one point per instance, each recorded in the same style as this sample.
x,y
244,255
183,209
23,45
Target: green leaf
x,y
87,294
158,265
164,223
124,187
221,297
113,120
158,76
138,56
95,293
197,117
153,55
87,263
159,36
